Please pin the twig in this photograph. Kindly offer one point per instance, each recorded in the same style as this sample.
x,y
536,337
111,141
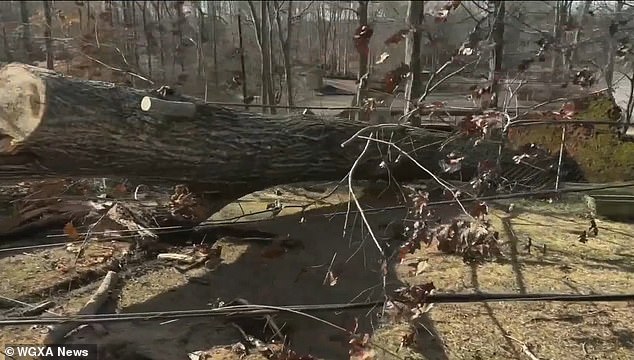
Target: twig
x,y
551,101
329,271
561,155
33,309
356,201
117,69
269,321
525,348
82,247
430,173
57,333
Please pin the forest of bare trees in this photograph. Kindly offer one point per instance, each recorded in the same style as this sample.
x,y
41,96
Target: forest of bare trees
x,y
196,45
233,170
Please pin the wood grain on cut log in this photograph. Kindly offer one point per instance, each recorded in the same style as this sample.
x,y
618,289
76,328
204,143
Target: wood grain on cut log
x,y
79,128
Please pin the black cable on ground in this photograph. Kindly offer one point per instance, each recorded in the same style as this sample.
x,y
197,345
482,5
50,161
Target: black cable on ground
x,y
259,310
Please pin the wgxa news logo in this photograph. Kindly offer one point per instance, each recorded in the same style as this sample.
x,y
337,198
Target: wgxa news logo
x,y
55,352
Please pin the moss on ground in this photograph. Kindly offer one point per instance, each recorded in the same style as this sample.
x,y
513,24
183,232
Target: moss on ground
x,y
600,154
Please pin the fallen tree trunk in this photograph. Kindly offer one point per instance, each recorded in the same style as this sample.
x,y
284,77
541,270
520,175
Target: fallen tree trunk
x,y
64,127
52,126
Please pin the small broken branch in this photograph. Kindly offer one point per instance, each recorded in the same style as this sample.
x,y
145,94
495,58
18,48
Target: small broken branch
x,y
525,348
168,108
57,334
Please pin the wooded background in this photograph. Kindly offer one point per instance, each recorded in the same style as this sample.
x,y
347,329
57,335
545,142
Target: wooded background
x,y
195,45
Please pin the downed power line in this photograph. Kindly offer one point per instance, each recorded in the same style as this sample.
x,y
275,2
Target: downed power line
x,y
259,310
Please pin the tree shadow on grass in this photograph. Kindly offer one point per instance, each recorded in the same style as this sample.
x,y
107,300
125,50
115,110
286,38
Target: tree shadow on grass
x,y
294,278
509,343
513,253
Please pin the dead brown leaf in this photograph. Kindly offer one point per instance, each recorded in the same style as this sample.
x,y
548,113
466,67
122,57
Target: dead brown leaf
x,y
71,231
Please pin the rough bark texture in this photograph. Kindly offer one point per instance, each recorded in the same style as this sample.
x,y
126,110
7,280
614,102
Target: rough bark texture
x,y
412,53
26,30
47,35
612,45
65,127
495,62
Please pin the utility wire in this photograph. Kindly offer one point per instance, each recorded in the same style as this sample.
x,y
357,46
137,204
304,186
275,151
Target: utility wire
x,y
259,310
486,198
237,220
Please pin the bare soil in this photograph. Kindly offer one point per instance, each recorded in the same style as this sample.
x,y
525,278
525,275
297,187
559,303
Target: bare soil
x,y
249,270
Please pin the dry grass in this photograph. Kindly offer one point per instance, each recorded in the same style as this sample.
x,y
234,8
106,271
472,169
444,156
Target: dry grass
x,y
468,331
551,330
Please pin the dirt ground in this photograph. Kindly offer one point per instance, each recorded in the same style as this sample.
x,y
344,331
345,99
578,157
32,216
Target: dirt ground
x,y
250,271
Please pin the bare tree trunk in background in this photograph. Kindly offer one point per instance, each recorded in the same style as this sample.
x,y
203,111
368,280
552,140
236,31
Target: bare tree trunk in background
x,y
180,20
285,42
321,33
26,31
413,89
199,42
495,62
269,54
561,16
346,63
612,45
573,53
212,14
157,9
81,19
135,36
148,38
110,12
129,41
265,69
629,110
5,44
242,68
89,15
261,34
47,35
362,13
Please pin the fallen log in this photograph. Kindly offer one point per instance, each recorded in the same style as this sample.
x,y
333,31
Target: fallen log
x,y
65,127
53,126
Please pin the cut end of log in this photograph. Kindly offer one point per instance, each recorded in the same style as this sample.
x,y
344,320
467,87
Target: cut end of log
x,y
146,103
168,108
22,101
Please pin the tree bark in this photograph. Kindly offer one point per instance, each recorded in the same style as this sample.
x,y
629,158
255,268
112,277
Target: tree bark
x,y
612,44
269,55
362,13
412,53
495,62
149,39
26,30
286,51
573,53
65,127
47,35
243,71
157,9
